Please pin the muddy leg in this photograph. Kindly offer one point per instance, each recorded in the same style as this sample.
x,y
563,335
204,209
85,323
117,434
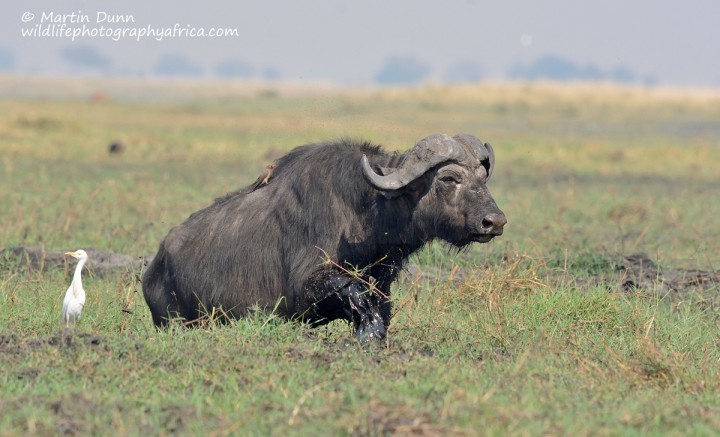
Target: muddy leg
x,y
364,312
337,296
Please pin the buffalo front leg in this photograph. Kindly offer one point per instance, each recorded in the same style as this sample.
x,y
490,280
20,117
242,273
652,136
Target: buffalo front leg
x,y
332,296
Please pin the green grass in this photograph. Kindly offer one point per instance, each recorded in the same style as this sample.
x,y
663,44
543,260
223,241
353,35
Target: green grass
x,y
531,336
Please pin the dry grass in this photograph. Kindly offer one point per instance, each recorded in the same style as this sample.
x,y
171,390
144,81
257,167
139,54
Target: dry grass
x,y
524,336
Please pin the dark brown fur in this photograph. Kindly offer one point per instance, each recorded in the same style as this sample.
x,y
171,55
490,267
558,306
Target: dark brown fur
x,y
267,247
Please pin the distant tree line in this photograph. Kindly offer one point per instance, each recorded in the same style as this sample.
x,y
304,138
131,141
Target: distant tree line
x,y
560,69
395,70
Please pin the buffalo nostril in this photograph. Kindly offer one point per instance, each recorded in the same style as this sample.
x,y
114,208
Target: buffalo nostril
x,y
494,222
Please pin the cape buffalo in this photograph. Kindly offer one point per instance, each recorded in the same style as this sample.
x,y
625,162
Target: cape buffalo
x,y
327,234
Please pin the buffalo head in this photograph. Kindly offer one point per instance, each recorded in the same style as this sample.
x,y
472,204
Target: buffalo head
x,y
448,176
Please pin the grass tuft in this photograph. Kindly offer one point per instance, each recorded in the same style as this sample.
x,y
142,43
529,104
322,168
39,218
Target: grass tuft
x,y
532,334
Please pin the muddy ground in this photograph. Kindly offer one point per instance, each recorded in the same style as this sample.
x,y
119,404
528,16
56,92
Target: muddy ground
x,y
631,273
39,259
636,273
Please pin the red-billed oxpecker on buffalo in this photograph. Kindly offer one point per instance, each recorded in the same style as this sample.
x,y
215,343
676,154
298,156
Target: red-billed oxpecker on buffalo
x,y
265,177
288,245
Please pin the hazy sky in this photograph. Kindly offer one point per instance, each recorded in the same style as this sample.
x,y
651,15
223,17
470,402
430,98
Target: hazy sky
x,y
676,42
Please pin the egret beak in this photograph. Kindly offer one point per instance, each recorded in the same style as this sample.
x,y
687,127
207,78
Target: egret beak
x,y
71,254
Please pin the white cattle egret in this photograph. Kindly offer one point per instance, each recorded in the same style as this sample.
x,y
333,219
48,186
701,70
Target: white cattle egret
x,y
75,296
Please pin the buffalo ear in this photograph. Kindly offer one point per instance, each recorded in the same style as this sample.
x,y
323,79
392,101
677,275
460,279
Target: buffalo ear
x,y
490,159
391,194
481,150
414,189
384,171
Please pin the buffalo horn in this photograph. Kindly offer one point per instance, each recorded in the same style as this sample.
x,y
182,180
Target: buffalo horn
x,y
426,154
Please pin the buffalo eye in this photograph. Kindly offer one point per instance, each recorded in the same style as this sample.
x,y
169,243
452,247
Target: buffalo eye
x,y
450,180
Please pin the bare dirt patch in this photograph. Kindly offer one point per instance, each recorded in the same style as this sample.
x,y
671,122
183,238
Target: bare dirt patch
x,y
66,410
14,344
38,259
631,273
383,419
640,272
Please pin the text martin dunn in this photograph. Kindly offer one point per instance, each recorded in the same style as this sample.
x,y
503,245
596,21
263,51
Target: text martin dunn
x,y
79,17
